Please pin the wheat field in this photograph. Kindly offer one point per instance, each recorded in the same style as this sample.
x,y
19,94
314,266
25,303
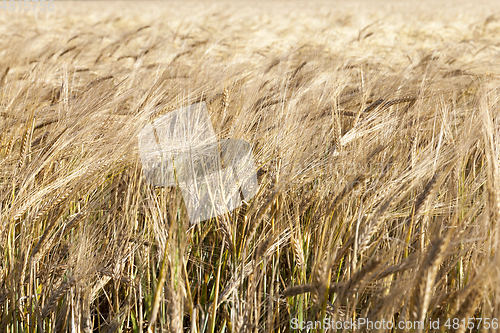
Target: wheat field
x,y
375,129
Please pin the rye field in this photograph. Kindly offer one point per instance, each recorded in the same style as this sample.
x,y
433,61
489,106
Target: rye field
x,y
375,131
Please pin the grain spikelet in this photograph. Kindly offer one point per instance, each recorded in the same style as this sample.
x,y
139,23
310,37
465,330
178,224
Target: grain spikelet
x,y
297,290
227,230
426,276
26,142
56,296
174,311
359,280
298,252
373,222
43,244
468,306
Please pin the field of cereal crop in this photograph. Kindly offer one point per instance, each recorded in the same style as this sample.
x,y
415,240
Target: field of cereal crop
x,y
374,127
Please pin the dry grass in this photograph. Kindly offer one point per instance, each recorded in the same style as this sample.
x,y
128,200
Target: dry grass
x,y
375,127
